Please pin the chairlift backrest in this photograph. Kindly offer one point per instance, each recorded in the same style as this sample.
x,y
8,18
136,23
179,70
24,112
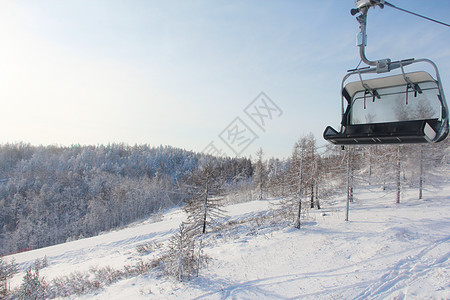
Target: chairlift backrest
x,y
387,81
393,99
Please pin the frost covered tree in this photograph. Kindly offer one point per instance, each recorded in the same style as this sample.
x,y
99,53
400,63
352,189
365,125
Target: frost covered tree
x,y
260,174
303,176
311,164
7,271
49,195
297,175
275,176
206,189
33,285
333,171
424,164
388,168
180,260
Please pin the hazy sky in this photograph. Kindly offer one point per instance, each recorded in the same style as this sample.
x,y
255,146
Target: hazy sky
x,y
180,72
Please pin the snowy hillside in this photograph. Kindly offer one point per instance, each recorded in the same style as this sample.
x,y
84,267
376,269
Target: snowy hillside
x,y
385,251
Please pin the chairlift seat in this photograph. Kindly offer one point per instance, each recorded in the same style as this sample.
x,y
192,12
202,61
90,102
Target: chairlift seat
x,y
407,132
377,111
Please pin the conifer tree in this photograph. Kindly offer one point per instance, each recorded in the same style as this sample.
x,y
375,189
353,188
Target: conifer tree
x,y
180,260
206,188
33,285
260,175
7,271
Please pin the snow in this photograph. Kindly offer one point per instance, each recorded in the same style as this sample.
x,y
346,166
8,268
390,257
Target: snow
x,y
385,251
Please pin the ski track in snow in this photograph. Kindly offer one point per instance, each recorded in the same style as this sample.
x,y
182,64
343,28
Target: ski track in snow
x,y
407,271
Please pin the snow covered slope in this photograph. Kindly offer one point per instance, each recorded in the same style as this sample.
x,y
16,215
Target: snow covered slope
x,y
385,251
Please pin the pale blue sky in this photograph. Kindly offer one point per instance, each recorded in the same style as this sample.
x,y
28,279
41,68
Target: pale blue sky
x,y
179,72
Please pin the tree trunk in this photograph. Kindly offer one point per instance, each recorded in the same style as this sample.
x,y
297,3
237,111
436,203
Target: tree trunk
x,y
297,224
205,213
398,175
370,165
260,191
317,196
180,257
421,174
351,192
200,251
348,184
300,193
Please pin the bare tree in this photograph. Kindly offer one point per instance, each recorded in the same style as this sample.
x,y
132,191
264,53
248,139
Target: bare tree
x,y
302,177
294,184
311,174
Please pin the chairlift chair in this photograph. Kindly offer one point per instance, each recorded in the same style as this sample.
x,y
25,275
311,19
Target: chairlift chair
x,y
395,109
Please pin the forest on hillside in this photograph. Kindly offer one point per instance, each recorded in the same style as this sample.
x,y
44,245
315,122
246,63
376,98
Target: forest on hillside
x,y
50,194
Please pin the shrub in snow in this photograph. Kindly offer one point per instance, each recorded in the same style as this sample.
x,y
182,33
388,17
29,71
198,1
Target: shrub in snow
x,y
146,248
76,283
7,271
107,275
180,261
140,268
79,283
41,263
33,286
